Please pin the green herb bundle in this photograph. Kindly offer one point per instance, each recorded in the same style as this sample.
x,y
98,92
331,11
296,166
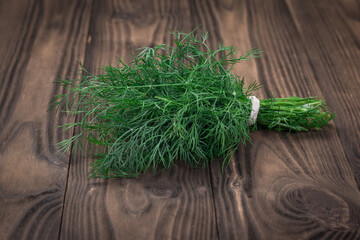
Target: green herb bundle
x,y
177,102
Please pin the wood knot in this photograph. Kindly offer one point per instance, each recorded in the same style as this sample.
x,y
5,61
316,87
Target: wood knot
x,y
322,205
163,191
136,199
236,184
307,202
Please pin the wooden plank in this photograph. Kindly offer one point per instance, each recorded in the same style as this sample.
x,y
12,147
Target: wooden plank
x,y
39,40
175,204
332,44
293,186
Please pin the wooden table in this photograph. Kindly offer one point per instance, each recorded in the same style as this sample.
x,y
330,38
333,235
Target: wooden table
x,y
284,186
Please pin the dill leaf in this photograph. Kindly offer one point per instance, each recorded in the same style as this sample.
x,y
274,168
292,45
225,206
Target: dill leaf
x,y
171,102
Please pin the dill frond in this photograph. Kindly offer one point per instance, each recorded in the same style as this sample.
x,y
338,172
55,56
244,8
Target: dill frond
x,y
170,102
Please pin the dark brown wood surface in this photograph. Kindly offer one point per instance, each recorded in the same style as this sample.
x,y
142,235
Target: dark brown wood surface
x,y
39,41
298,185
284,186
172,205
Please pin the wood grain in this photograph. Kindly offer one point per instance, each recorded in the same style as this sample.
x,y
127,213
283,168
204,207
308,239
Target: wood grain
x,y
297,186
39,40
175,204
335,63
284,186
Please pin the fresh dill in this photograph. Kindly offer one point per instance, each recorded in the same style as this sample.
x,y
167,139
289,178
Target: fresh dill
x,y
178,102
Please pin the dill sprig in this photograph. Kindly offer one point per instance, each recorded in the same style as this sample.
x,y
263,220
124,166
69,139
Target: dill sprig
x,y
173,102
293,114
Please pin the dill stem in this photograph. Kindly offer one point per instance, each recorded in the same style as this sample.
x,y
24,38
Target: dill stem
x,y
174,102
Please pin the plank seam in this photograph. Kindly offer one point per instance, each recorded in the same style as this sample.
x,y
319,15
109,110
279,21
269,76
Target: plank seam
x,y
72,145
214,205
320,89
66,186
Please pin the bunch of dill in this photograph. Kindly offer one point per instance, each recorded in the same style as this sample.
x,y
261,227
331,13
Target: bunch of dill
x,y
173,102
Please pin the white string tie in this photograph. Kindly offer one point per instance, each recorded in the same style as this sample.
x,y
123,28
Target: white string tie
x,y
255,106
